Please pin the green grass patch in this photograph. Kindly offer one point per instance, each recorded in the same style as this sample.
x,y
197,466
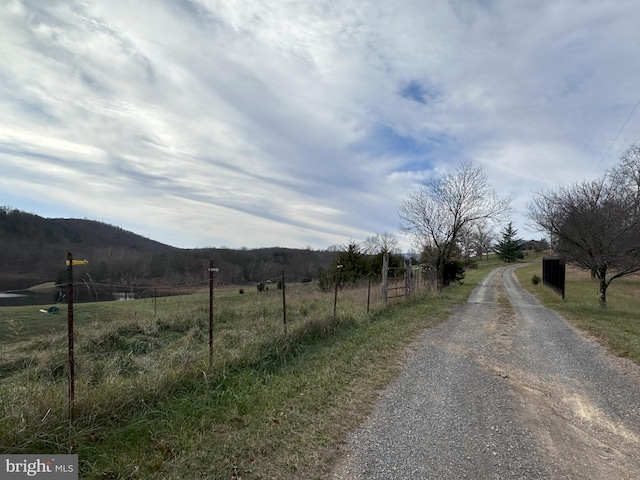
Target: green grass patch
x,y
617,327
149,406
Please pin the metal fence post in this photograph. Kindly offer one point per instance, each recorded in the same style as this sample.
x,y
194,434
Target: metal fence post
x,y
335,295
284,304
70,332
211,270
368,292
70,263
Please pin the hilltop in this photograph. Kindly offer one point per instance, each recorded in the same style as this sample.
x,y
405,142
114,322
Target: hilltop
x,y
34,251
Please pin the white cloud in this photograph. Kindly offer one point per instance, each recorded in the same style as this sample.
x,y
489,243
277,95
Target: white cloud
x,y
295,123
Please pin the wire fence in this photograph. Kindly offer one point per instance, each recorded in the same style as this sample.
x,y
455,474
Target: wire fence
x,y
144,336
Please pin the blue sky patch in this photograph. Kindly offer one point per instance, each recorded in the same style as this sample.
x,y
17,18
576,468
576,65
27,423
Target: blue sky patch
x,y
416,92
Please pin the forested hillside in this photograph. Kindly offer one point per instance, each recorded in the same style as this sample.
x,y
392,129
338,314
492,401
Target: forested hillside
x,y
33,250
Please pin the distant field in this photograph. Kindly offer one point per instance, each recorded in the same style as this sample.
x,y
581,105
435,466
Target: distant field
x,y
27,321
617,326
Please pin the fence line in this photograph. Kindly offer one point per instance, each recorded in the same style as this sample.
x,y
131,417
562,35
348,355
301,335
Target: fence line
x,y
124,341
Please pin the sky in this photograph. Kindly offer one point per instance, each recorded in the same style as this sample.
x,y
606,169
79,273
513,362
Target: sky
x,y
245,123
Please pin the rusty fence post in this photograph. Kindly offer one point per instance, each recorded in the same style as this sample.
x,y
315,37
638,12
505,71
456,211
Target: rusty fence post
x,y
284,305
335,295
71,360
211,270
368,292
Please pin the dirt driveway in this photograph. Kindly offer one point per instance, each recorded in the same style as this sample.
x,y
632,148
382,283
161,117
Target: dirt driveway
x,y
504,389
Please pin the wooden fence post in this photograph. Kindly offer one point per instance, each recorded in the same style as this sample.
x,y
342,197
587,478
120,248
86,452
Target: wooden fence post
x,y
385,274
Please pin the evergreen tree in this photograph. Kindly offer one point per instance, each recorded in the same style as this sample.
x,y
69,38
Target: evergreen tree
x,y
349,266
510,248
354,264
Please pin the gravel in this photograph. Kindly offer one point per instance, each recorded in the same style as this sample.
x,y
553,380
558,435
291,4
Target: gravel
x,y
503,389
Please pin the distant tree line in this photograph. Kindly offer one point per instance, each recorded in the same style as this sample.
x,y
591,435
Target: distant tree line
x,y
33,250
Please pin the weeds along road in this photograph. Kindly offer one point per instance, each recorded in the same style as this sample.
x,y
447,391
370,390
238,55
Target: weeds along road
x,y
504,389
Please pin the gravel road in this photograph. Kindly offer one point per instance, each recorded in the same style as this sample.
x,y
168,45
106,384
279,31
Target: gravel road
x,y
504,389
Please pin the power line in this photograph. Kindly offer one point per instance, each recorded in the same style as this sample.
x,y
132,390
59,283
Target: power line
x,y
616,138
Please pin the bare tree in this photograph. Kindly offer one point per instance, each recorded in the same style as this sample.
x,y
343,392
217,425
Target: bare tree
x,y
467,242
477,239
484,238
436,213
627,172
380,243
594,225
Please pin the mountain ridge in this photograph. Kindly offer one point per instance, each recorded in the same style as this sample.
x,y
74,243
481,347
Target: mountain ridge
x,y
33,250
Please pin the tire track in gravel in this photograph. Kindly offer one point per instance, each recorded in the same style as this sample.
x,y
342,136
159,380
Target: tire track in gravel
x,y
584,412
504,389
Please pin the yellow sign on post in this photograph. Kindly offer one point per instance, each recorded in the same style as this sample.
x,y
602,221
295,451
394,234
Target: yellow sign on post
x,y
77,262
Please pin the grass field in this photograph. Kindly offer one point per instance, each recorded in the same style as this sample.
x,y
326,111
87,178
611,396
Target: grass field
x,y
617,327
